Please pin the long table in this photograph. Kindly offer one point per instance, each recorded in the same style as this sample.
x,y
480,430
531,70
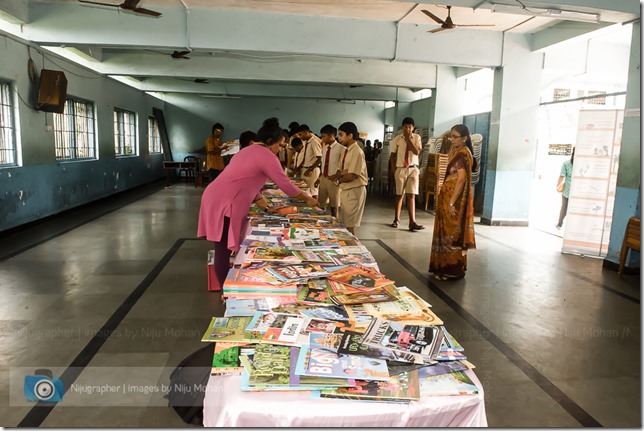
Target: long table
x,y
225,405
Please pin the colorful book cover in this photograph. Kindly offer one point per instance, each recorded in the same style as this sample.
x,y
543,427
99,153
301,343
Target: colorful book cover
x,y
297,272
409,308
286,330
443,367
423,341
449,342
456,383
450,355
358,277
313,311
315,256
329,341
314,361
228,329
299,233
354,259
403,387
351,344
244,307
262,320
271,254
315,292
225,361
378,294
320,326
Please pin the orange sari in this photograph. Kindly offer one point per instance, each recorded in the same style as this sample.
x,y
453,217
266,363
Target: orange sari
x,y
453,236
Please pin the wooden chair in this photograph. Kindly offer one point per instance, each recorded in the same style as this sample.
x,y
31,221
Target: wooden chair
x,y
631,241
189,173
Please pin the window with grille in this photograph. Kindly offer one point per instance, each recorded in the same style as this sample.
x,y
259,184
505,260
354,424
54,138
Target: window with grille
x,y
74,131
560,149
154,139
596,100
7,131
560,94
124,132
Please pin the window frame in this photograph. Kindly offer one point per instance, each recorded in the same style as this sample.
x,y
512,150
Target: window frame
x,y
120,135
73,119
8,109
154,139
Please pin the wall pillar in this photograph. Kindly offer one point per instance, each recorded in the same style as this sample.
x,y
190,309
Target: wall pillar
x,y
513,134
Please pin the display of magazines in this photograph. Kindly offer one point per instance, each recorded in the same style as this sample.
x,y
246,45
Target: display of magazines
x,y
401,388
225,361
408,308
315,292
422,341
315,361
456,383
355,276
228,329
271,254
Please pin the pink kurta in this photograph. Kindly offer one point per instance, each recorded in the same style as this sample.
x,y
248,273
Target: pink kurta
x,y
233,192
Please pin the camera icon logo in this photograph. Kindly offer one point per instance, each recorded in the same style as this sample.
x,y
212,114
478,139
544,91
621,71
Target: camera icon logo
x,y
43,386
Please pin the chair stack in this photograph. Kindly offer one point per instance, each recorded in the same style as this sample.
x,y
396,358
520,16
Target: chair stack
x,y
477,146
434,174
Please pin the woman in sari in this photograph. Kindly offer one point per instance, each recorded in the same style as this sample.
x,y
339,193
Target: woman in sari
x,y
454,221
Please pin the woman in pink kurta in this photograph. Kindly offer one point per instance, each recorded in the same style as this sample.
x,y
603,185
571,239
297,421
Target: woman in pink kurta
x,y
226,201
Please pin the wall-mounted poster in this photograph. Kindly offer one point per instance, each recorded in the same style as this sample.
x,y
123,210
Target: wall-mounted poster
x,y
594,180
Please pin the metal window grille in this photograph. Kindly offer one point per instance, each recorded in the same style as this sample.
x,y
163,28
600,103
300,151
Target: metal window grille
x,y
596,100
560,149
560,94
124,133
7,131
154,138
74,131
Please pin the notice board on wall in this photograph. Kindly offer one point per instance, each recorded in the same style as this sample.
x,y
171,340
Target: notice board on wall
x,y
594,180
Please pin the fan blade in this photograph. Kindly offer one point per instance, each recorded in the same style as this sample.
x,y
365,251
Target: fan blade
x,y
432,16
436,30
130,4
98,3
146,11
474,25
180,54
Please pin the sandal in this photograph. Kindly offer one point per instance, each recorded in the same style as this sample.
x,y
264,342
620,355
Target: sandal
x,y
395,223
415,226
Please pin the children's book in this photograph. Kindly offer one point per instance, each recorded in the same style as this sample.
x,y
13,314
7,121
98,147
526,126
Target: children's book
x,y
358,277
286,330
422,341
409,308
328,341
228,329
315,256
225,361
313,311
315,292
299,233
244,307
449,342
354,259
378,294
456,383
261,321
444,367
450,355
351,344
315,361
286,273
271,254
404,387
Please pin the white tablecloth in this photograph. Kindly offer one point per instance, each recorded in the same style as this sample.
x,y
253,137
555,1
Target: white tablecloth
x,y
226,405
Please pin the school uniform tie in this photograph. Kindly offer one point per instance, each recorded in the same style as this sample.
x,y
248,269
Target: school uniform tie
x,y
326,161
344,157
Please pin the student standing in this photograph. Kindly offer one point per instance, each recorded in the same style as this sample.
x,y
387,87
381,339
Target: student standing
x,y
405,149
563,185
311,159
353,181
214,147
331,158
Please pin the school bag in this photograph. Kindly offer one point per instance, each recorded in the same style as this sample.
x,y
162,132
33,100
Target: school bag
x,y
188,383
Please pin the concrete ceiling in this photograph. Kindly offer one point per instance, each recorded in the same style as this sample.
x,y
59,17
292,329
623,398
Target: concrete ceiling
x,y
336,49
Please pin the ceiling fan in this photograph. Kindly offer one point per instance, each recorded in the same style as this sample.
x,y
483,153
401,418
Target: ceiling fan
x,y
180,55
448,24
130,5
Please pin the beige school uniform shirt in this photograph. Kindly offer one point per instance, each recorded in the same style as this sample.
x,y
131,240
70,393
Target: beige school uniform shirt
x,y
399,146
312,150
335,151
354,163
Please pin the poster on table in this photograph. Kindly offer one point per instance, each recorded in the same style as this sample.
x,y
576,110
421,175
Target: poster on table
x,y
594,180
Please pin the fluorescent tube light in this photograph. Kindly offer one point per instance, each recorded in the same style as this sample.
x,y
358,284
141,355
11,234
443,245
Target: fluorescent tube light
x,y
547,13
220,96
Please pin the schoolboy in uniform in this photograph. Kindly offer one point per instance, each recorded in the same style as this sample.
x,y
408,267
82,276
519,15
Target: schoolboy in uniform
x,y
331,157
310,164
353,181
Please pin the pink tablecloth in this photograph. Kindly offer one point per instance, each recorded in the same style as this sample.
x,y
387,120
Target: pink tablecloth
x,y
226,405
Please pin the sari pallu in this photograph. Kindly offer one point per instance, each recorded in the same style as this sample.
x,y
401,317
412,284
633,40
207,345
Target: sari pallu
x,y
453,236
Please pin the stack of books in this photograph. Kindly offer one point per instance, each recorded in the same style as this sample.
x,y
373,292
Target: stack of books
x,y
307,309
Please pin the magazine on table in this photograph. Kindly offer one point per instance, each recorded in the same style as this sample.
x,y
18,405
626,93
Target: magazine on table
x,y
271,254
449,342
225,361
401,388
408,308
351,344
313,311
455,383
315,361
286,330
359,277
248,307
300,271
386,293
422,341
228,329
315,292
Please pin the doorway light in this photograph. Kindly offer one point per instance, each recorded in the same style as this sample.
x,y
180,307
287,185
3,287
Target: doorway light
x,y
547,13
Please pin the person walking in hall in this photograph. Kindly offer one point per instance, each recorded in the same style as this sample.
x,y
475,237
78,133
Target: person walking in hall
x,y
353,179
226,201
311,159
454,222
331,158
563,186
213,148
405,149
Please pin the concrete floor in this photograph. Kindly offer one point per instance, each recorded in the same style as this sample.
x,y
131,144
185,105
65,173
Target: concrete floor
x,y
120,287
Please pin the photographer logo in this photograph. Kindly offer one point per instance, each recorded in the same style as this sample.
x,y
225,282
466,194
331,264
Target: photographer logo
x,y
42,386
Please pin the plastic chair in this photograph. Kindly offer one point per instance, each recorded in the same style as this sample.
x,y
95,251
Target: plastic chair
x,y
631,241
189,173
